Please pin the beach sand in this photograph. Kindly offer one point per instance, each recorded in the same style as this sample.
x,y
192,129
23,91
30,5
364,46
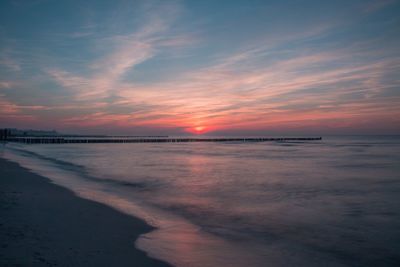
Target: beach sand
x,y
42,224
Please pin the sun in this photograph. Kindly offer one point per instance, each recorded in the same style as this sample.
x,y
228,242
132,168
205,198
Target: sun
x,y
198,129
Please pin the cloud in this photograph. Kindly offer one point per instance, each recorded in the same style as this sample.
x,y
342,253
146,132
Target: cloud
x,y
376,5
9,62
7,107
126,51
6,84
222,96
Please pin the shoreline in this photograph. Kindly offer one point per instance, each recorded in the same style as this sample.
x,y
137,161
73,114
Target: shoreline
x,y
43,224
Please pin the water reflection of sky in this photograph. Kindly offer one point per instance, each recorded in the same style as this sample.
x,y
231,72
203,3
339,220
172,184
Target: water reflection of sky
x,y
330,202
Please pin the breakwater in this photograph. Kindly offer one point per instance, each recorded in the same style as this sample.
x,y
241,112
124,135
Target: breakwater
x,y
63,140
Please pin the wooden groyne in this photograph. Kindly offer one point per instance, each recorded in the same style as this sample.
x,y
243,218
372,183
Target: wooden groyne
x,y
63,140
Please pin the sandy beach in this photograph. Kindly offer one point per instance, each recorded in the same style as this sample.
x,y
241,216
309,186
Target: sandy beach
x,y
42,224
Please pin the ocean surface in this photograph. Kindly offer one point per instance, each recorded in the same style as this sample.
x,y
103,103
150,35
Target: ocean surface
x,y
334,202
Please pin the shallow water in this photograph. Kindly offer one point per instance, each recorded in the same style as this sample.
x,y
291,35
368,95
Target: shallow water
x,y
333,202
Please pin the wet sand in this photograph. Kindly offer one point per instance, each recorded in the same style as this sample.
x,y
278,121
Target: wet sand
x,y
42,224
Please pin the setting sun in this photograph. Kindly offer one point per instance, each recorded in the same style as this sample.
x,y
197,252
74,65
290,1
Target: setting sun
x,y
199,128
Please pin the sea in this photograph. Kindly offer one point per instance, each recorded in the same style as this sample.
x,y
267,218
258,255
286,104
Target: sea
x,y
334,202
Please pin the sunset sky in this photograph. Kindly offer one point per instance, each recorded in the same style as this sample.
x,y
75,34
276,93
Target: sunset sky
x,y
211,67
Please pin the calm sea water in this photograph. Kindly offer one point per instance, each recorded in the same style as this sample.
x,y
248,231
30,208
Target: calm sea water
x,y
334,202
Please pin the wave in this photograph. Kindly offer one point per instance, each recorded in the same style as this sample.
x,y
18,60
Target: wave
x,y
80,170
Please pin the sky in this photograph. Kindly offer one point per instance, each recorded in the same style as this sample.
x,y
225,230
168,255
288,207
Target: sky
x,y
201,67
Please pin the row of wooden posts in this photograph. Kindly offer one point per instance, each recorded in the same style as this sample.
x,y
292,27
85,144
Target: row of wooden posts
x,y
61,140
4,134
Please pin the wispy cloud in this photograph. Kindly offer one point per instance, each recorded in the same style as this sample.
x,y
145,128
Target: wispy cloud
x,y
126,52
7,108
6,84
222,96
10,63
375,5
